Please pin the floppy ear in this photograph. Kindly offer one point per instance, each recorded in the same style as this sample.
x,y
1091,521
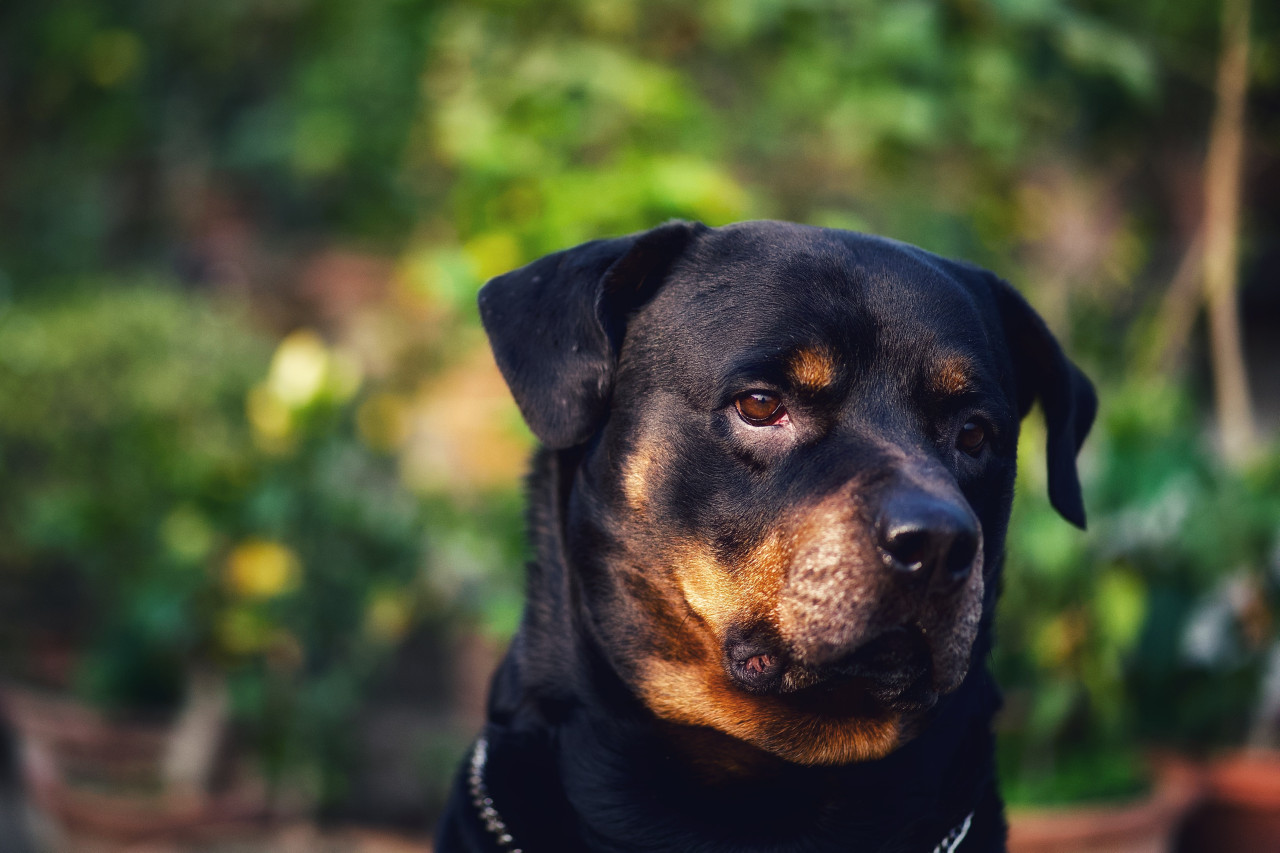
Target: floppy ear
x,y
1042,372
556,325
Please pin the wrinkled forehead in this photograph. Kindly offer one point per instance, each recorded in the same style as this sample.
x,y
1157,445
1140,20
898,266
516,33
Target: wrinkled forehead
x,y
812,301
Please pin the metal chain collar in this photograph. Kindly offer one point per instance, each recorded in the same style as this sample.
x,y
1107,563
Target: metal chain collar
x,y
954,837
483,802
497,827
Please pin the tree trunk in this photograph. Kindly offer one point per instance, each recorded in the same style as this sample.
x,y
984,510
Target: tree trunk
x,y
1178,311
197,734
1221,244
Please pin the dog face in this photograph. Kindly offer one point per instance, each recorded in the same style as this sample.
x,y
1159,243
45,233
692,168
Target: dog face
x,y
797,455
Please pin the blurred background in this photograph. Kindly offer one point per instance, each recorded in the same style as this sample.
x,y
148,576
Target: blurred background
x,y
260,529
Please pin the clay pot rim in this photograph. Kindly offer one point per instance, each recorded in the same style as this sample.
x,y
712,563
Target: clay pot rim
x,y
1178,786
1250,777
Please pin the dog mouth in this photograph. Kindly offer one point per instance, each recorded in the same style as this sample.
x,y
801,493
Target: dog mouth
x,y
893,670
896,668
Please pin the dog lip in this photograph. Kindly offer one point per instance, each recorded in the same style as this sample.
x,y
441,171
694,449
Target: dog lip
x,y
895,667
856,696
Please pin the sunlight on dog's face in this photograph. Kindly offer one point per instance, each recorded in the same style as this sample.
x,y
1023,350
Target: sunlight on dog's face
x,y
795,513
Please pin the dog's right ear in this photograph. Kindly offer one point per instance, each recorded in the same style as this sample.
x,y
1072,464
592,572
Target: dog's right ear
x,y
1044,373
556,325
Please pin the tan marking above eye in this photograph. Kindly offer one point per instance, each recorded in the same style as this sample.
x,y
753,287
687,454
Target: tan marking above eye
x,y
953,375
812,368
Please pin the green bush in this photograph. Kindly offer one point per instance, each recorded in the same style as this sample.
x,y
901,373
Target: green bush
x,y
1153,630
179,497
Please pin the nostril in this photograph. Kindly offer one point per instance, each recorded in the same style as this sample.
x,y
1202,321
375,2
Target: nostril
x,y
961,554
910,548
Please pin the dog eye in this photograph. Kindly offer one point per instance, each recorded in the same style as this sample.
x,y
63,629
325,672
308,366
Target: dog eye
x,y
972,437
759,408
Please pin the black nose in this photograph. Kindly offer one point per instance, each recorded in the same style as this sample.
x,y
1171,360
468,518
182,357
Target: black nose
x,y
925,536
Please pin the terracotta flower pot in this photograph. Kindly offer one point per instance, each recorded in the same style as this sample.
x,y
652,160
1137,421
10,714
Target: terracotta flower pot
x,y
104,778
1240,811
1147,825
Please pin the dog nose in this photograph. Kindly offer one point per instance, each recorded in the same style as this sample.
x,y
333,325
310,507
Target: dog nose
x,y
923,536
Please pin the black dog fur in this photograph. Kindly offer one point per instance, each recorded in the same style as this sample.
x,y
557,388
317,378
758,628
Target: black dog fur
x,y
768,517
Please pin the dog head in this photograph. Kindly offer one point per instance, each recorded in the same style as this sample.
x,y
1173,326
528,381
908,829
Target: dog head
x,y
796,460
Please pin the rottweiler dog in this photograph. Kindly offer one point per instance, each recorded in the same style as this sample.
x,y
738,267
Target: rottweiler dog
x,y
768,518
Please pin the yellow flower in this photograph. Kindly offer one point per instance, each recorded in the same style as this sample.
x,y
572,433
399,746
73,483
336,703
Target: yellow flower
x,y
299,368
259,568
387,615
271,419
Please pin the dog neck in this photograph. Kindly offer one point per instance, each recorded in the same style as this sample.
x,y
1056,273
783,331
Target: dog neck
x,y
600,782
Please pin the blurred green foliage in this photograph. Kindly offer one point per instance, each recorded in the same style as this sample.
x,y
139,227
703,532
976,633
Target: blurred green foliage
x,y
153,451
605,118
180,497
117,111
1157,628
503,130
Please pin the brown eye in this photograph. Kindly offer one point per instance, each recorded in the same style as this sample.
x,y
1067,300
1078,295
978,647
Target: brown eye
x,y
760,409
972,437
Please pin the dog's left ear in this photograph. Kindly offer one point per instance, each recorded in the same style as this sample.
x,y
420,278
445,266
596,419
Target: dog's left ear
x,y
1043,372
556,325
